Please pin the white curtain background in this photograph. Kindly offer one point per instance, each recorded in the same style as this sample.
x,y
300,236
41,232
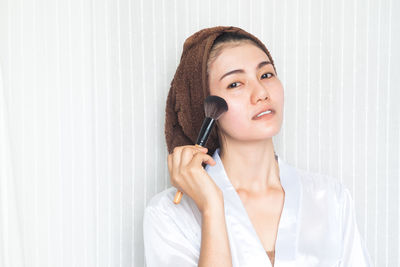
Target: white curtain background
x,y
83,87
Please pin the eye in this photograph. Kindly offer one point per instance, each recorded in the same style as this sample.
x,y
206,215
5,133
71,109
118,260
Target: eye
x,y
268,73
233,85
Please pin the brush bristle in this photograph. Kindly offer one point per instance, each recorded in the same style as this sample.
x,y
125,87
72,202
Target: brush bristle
x,y
214,106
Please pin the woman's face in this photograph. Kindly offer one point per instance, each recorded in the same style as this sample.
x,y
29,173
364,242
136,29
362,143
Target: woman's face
x,y
245,78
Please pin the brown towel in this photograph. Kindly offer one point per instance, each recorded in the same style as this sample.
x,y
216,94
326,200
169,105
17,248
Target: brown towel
x,y
189,88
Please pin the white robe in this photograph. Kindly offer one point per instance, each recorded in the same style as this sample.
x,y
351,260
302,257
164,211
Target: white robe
x,y
317,225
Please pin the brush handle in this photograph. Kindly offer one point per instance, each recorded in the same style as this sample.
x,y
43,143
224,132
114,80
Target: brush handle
x,y
179,194
205,131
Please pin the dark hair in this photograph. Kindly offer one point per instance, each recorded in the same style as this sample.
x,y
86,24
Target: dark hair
x,y
189,87
233,39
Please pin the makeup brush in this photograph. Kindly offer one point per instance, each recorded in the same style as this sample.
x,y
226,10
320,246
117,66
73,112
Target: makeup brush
x,y
214,107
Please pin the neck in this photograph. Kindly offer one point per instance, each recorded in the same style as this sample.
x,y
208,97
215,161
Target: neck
x,y
251,167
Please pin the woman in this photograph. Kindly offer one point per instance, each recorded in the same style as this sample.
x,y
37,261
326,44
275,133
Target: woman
x,y
247,207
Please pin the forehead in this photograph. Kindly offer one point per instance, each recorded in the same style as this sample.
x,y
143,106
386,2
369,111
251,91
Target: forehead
x,y
238,57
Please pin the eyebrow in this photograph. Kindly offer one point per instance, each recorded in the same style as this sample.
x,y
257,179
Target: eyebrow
x,y
259,66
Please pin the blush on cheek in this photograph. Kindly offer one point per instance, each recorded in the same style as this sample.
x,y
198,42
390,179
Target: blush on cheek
x,y
233,121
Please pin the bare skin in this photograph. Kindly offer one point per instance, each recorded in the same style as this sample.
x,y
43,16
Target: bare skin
x,y
188,175
215,249
264,212
246,151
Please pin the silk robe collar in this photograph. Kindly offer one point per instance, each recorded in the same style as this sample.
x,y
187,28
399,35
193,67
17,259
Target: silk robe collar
x,y
246,247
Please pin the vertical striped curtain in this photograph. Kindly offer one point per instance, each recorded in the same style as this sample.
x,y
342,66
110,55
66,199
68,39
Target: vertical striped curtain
x,y
83,86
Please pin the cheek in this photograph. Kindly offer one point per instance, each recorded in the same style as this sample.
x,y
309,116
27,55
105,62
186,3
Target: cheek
x,y
279,93
234,119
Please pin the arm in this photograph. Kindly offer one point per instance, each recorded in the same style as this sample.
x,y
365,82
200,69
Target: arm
x,y
165,244
354,251
215,250
188,176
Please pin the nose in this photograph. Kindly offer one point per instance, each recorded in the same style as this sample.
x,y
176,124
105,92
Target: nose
x,y
259,92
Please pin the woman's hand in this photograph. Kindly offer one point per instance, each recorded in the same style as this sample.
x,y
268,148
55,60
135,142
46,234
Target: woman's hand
x,y
188,176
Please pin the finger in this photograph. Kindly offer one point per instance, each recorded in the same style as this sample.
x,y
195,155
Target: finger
x,y
200,158
201,148
187,155
188,152
176,158
169,161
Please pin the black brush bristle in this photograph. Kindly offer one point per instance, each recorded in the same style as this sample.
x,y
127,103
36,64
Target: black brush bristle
x,y
214,106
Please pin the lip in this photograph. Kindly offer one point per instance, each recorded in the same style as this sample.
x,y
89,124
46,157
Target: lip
x,y
265,115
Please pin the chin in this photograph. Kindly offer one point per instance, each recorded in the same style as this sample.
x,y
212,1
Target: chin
x,y
268,134
254,136
251,133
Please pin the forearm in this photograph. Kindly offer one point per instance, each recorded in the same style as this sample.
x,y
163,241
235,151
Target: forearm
x,y
215,250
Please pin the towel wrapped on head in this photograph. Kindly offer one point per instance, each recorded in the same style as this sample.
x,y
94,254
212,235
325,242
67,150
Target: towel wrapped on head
x,y
189,87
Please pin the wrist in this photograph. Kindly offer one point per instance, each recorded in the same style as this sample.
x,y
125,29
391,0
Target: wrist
x,y
213,207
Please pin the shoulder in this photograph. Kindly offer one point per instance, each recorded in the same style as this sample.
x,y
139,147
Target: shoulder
x,y
158,214
161,211
170,234
323,200
162,205
162,199
320,185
